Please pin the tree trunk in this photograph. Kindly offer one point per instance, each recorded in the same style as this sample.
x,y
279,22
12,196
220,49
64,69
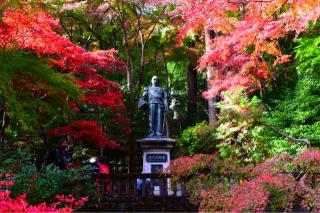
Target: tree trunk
x,y
212,111
192,95
164,59
141,71
166,69
128,56
129,73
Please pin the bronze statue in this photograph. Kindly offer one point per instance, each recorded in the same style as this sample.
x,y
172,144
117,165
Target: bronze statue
x,y
155,99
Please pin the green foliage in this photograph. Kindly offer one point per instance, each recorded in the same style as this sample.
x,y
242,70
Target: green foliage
x,y
178,80
237,130
236,136
278,199
295,111
32,90
44,185
55,181
198,139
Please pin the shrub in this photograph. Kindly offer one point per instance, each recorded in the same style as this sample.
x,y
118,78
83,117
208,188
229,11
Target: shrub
x,y
198,139
284,183
45,185
19,203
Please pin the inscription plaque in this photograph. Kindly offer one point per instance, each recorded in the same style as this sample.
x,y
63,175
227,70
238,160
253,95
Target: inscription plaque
x,y
158,158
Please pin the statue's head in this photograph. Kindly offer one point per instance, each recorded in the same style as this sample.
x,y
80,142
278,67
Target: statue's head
x,y
155,80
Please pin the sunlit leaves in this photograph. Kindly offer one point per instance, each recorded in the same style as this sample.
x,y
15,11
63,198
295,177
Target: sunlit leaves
x,y
239,25
35,31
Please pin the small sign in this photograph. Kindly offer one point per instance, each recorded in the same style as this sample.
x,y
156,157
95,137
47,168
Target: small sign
x,y
156,168
158,158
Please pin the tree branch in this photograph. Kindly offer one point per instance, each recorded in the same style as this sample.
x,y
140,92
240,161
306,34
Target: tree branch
x,y
304,140
65,29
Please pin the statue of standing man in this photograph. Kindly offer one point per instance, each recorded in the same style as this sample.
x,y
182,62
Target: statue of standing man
x,y
155,99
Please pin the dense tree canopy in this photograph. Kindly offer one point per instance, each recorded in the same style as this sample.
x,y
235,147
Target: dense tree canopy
x,y
19,27
245,48
78,68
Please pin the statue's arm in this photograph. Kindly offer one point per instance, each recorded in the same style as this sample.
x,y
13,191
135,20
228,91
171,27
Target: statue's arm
x,y
143,100
145,93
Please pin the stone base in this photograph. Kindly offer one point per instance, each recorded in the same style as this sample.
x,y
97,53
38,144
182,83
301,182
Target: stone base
x,y
156,153
156,142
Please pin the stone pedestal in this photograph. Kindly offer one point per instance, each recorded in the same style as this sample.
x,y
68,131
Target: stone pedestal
x,y
156,153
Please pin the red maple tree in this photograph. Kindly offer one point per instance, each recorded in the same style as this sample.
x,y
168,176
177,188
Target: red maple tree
x,y
33,30
245,31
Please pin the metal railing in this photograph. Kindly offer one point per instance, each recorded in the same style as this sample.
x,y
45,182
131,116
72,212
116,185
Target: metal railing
x,y
143,193
139,185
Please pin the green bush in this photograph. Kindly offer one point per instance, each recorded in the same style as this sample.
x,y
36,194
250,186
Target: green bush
x,y
198,139
45,185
